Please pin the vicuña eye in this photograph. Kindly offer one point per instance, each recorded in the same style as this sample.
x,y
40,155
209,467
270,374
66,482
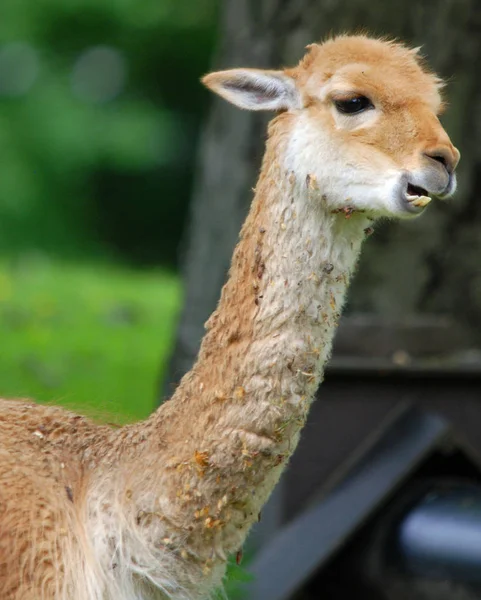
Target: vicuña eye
x,y
354,105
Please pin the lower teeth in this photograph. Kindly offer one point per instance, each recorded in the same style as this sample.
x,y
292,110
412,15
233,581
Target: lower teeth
x,y
419,201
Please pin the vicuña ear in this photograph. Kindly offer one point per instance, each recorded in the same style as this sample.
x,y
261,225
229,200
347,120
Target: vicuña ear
x,y
255,89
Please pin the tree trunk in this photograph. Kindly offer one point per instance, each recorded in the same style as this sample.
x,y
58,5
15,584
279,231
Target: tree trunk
x,y
430,265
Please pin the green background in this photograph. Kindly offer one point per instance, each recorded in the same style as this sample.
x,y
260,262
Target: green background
x,y
100,108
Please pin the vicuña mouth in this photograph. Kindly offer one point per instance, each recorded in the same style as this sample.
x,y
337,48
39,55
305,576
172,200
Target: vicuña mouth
x,y
417,196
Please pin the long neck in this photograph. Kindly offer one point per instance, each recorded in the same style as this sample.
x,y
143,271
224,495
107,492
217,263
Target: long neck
x,y
262,358
222,441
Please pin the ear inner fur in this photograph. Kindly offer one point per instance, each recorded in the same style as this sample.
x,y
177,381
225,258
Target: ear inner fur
x,y
255,89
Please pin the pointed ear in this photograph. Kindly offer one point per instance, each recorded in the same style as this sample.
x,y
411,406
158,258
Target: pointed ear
x,y
255,89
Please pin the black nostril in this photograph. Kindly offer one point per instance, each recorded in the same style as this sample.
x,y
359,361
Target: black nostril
x,y
442,158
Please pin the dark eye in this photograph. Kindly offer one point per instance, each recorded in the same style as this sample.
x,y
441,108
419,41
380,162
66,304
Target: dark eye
x,y
353,106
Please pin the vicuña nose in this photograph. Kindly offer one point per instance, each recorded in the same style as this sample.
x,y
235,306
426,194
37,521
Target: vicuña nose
x,y
447,155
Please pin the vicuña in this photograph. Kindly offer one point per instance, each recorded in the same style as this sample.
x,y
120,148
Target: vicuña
x,y
154,509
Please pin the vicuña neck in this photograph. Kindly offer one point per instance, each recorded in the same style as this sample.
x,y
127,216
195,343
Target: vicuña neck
x,y
223,439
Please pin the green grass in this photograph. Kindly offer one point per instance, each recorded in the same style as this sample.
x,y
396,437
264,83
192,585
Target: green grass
x,y
94,338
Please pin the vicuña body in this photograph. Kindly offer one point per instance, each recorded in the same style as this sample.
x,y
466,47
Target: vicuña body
x,y
153,510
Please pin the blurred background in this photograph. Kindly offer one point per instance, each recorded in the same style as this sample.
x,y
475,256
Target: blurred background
x,y
123,186
100,109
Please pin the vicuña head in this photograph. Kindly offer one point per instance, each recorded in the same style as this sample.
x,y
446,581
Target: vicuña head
x,y
153,509
363,119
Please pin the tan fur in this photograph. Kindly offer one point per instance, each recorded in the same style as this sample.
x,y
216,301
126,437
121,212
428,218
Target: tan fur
x,y
408,93
153,510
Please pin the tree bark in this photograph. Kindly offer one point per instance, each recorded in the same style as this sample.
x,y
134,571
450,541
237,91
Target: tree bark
x,y
430,265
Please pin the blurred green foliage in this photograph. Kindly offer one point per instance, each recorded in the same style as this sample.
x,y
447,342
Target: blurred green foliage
x,y
82,173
